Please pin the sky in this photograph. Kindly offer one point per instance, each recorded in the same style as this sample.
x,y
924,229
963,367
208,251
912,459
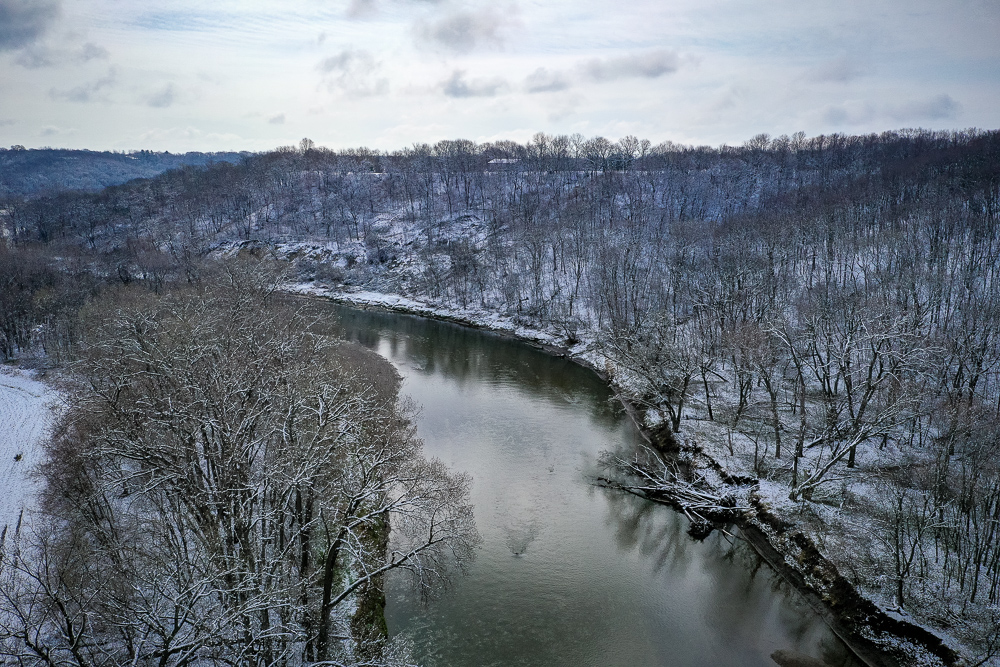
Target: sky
x,y
183,75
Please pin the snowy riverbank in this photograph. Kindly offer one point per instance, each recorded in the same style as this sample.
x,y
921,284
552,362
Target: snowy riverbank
x,y
799,540
582,348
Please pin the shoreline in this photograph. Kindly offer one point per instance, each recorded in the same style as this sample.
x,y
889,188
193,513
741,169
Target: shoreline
x,y
848,614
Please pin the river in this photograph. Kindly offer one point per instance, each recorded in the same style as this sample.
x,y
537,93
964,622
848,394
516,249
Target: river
x,y
568,573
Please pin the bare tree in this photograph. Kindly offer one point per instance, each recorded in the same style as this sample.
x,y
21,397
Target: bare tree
x,y
233,475
657,364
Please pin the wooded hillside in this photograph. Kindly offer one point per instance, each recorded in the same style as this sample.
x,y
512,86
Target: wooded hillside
x,y
830,303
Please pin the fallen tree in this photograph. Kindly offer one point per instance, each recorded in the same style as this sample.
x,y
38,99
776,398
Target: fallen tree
x,y
650,475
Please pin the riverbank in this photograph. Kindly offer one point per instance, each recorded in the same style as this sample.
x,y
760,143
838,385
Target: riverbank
x,y
875,636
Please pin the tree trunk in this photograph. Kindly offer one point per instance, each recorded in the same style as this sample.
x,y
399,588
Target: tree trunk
x,y
329,569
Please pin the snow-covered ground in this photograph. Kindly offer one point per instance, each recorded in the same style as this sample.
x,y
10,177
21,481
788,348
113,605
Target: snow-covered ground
x,y
27,412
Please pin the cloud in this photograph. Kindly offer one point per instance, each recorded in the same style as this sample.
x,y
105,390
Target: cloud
x,y
838,70
565,106
163,98
353,72
856,112
193,136
849,113
35,57
92,51
728,99
464,31
361,9
87,92
457,86
544,81
180,20
939,107
5,122
55,131
347,60
649,65
277,119
24,21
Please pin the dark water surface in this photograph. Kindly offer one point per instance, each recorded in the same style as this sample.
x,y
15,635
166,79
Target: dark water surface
x,y
569,573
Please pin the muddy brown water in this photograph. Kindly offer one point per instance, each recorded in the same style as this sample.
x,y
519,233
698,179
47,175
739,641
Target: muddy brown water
x,y
568,573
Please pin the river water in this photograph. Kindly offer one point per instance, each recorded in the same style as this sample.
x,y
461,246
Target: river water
x,y
568,573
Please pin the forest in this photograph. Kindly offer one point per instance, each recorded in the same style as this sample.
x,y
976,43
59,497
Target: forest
x,y
40,171
220,491
820,314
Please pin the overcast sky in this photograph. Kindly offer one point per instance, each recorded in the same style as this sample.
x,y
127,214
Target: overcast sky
x,y
184,75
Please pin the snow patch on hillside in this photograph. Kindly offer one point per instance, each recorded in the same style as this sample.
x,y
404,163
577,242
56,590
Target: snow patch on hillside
x,y
27,413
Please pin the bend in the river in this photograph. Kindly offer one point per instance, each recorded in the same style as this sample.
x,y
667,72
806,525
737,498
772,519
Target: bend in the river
x,y
569,573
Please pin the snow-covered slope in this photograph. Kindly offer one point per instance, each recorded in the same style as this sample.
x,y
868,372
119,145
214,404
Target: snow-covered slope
x,y
27,412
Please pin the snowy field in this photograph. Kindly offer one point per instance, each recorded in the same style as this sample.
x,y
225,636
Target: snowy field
x,y
27,412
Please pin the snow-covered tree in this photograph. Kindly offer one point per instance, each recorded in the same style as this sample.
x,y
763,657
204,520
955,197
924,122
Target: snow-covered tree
x,y
226,482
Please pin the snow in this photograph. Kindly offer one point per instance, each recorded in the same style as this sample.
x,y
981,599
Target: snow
x,y
27,412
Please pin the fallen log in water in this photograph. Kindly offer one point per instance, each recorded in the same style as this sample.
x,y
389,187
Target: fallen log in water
x,y
659,481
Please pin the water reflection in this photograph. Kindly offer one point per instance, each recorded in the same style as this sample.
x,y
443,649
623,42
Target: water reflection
x,y
467,356
742,592
569,573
